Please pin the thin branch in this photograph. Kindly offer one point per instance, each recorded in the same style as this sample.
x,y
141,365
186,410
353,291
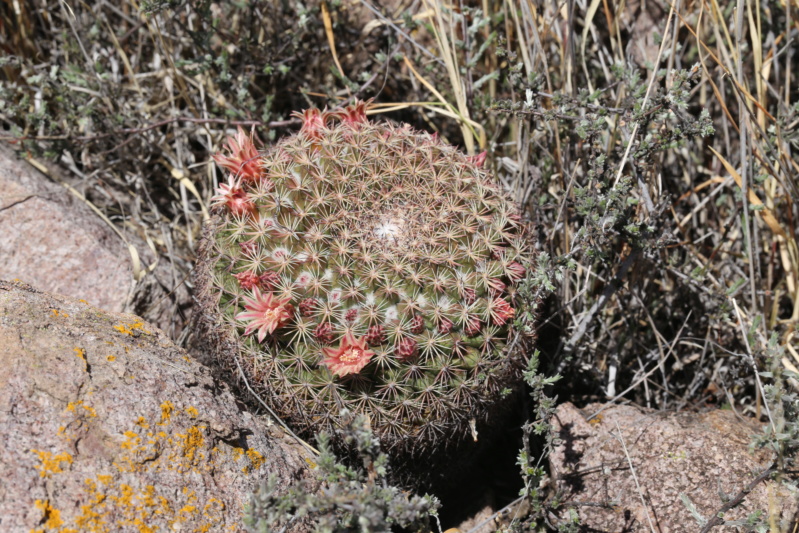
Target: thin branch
x,y
137,131
717,519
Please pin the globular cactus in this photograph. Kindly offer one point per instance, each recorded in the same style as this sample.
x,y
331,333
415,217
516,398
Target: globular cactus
x,y
370,267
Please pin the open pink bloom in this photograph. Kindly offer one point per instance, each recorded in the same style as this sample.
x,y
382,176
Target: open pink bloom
x,y
232,196
501,311
243,159
266,312
349,358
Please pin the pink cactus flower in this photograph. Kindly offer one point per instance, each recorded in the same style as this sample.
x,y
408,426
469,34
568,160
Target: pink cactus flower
x,y
308,306
266,313
516,271
469,295
501,311
232,196
495,287
268,280
473,327
243,159
247,279
407,348
354,115
324,333
417,324
479,159
445,325
349,358
313,122
351,315
375,336
250,248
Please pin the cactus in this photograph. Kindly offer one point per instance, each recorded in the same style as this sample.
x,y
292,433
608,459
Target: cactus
x,y
365,266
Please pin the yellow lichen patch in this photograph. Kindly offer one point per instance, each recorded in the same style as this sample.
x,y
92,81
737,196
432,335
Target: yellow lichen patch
x,y
52,517
132,440
256,458
213,509
56,312
133,329
83,301
51,464
237,453
81,353
166,412
72,406
110,502
192,441
111,358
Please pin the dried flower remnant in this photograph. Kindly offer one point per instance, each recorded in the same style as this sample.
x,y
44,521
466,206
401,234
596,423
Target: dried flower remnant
x,y
349,358
266,313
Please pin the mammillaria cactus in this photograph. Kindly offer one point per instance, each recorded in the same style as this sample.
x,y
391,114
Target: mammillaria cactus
x,y
370,267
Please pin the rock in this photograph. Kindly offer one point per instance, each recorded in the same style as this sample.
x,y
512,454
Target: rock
x,y
696,454
55,242
108,426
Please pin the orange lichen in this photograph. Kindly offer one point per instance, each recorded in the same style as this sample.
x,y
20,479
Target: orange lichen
x,y
132,329
111,358
107,504
52,517
166,412
132,440
192,442
71,406
51,464
83,301
56,312
256,458
81,353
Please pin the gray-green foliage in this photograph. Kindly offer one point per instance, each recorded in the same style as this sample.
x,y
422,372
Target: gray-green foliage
x,y
342,498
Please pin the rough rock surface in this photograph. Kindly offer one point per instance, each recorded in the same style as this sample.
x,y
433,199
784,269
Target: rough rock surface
x,y
55,242
672,453
107,426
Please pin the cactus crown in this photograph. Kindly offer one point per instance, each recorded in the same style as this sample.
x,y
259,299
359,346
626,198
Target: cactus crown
x,y
367,266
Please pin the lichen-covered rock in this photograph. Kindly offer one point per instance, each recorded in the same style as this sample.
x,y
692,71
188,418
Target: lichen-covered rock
x,y
56,243
696,454
109,427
